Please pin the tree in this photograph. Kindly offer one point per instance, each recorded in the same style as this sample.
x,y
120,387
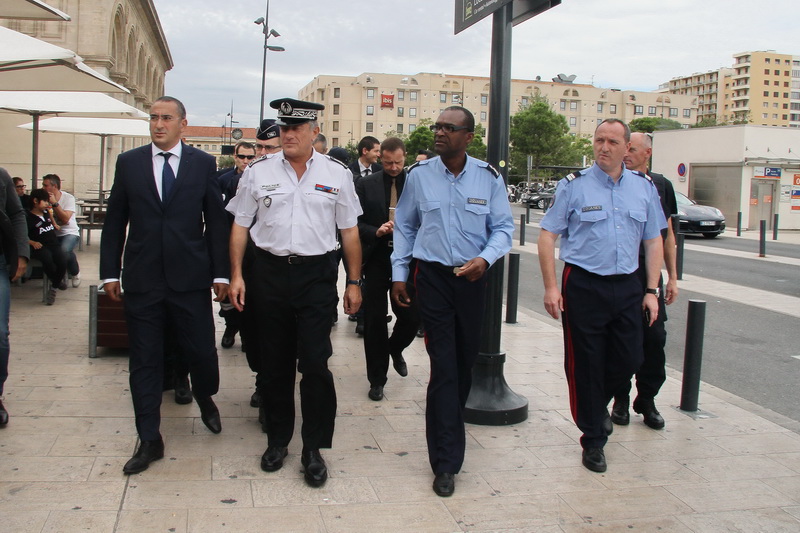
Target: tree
x,y
650,124
419,139
477,148
708,123
539,132
225,161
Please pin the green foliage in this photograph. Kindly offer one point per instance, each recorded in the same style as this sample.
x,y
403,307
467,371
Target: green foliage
x,y
650,124
352,150
540,132
225,161
708,123
477,148
419,139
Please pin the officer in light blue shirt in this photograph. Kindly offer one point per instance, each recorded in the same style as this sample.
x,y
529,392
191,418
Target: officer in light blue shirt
x,y
602,215
454,218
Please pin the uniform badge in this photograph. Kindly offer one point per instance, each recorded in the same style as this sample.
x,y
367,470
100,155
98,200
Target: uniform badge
x,y
476,201
267,201
326,188
588,208
271,186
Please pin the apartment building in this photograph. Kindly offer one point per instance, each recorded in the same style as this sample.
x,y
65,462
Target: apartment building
x,y
380,104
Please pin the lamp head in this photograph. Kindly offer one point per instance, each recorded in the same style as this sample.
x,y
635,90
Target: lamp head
x,y
259,20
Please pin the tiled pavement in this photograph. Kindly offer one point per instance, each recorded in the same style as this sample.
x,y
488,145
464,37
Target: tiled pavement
x,y
71,430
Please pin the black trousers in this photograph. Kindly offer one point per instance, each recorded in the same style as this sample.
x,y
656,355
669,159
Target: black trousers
x,y
452,310
249,321
602,323
54,262
377,342
190,318
294,304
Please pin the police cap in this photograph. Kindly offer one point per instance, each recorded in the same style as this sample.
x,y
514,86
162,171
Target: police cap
x,y
267,130
291,111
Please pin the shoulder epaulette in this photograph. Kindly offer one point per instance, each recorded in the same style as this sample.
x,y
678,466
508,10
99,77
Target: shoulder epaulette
x,y
642,175
254,161
493,170
415,165
577,174
337,161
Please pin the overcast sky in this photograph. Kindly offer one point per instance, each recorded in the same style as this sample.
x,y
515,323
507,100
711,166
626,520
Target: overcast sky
x,y
625,44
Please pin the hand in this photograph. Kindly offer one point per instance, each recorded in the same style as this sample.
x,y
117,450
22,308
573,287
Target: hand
x,y
220,291
473,269
236,293
352,299
386,228
36,245
553,302
113,290
650,305
399,294
671,291
52,198
22,266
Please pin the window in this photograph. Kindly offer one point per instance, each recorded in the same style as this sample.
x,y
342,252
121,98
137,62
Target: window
x,y
673,111
400,111
336,92
795,106
206,148
399,128
412,112
775,94
766,93
766,60
573,106
573,122
764,115
213,146
335,109
687,113
414,96
370,110
455,98
443,98
563,105
483,116
775,105
411,128
370,127
401,94
612,108
484,99
370,93
335,142
784,117
777,73
524,101
638,110
776,83
335,125
766,104
766,82
599,107
651,110
786,106
775,116
786,95
599,121
766,71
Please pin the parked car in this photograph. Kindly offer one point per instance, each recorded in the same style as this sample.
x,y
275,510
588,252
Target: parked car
x,y
699,219
540,198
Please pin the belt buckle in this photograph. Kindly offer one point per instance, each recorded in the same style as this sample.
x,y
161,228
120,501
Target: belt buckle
x,y
390,243
293,256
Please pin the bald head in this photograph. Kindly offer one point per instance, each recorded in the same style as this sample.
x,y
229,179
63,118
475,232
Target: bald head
x,y
639,152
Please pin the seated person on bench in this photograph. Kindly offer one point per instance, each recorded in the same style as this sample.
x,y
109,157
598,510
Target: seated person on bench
x,y
44,242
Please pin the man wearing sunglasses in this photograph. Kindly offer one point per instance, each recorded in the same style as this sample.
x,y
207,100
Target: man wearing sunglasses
x,y
454,219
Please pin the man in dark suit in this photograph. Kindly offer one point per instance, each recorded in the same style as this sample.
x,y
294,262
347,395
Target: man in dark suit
x,y
378,194
177,243
367,162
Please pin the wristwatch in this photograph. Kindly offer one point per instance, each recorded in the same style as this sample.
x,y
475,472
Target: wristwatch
x,y
356,282
655,291
54,204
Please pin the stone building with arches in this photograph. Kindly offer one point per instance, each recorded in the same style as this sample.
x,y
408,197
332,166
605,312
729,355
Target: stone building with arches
x,y
121,39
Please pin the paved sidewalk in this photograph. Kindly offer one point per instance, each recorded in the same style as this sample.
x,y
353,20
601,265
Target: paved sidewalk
x,y
71,430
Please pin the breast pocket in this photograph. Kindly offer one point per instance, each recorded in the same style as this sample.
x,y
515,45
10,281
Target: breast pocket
x,y
638,216
475,218
269,205
323,205
592,217
431,213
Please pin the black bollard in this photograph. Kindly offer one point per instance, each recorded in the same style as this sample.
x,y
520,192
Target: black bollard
x,y
762,241
693,355
527,213
679,238
775,227
522,230
512,292
739,224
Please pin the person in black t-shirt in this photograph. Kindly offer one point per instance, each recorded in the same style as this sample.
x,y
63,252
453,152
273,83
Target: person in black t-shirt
x,y
44,242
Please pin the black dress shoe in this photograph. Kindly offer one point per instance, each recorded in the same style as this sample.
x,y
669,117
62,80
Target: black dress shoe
x,y
444,484
183,394
647,408
272,460
352,318
209,413
228,337
3,415
594,459
316,473
149,451
619,413
376,393
360,329
608,427
400,364
255,399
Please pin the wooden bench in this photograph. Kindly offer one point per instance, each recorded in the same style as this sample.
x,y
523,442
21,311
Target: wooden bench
x,y
107,326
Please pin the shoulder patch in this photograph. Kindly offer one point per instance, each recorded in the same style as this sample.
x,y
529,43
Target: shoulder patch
x,y
493,170
254,161
336,161
415,165
642,175
570,177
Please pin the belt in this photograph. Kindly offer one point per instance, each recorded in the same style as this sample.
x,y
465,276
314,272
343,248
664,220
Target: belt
x,y
293,259
610,277
440,266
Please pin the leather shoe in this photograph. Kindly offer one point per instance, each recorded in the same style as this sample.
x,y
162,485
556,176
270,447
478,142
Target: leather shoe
x,y
3,414
316,473
608,427
209,413
619,413
183,395
400,364
647,408
228,337
360,329
594,459
444,484
272,460
376,393
255,399
149,451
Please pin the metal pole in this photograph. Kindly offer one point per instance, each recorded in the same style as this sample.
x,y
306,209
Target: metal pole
x,y
263,67
775,227
679,238
762,240
512,293
102,167
35,153
522,230
693,355
739,224
527,213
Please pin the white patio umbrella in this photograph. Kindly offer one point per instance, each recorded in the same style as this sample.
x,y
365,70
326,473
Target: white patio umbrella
x,y
102,127
29,64
30,10
38,103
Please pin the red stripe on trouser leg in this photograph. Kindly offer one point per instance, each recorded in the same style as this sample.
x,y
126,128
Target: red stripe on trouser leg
x,y
569,354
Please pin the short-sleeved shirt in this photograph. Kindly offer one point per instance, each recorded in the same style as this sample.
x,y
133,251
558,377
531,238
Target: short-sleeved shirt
x,y
41,229
291,216
602,223
449,219
70,227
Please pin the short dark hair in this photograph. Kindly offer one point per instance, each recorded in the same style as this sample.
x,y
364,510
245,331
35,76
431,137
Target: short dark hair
x,y
18,180
54,179
40,194
367,143
320,138
627,128
469,118
426,153
181,108
243,144
392,144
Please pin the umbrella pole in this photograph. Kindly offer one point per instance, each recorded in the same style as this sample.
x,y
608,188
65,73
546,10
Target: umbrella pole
x,y
35,154
102,166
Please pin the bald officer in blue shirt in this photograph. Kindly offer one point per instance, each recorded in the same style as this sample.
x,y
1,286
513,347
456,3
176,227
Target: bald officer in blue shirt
x,y
602,214
454,218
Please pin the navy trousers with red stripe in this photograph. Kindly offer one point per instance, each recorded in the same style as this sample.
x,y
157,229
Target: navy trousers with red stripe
x,y
602,323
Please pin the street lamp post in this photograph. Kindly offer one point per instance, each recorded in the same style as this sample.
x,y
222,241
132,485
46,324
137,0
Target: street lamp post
x,y
264,22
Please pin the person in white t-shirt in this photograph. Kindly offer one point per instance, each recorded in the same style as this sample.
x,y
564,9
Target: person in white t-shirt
x,y
63,204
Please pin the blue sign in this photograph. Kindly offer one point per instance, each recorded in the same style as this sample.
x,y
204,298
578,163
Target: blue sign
x,y
772,172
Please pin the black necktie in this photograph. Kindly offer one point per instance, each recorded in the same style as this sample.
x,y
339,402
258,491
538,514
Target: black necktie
x,y
167,177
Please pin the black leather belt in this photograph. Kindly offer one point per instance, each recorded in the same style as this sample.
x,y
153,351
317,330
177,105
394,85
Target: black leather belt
x,y
294,259
610,277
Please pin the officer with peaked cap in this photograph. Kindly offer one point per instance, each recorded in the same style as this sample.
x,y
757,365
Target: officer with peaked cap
x,y
268,138
296,199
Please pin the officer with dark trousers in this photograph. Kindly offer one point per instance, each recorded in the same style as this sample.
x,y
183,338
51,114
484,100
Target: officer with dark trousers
x,y
602,214
652,374
379,193
455,220
296,199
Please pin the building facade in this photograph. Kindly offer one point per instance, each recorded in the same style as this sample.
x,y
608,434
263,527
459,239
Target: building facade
x,y
383,104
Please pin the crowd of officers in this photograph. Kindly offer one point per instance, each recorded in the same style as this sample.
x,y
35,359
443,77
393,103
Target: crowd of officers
x,y
418,238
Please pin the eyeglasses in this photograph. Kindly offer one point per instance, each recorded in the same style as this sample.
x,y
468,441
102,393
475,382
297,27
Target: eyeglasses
x,y
242,156
19,186
447,128
267,147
